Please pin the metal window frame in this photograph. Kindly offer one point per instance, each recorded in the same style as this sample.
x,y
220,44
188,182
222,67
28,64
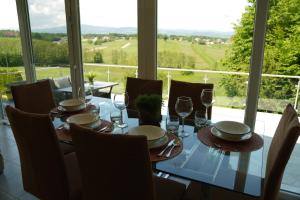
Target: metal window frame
x,y
26,40
74,44
256,62
147,39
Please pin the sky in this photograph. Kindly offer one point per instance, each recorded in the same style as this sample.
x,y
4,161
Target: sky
x,y
217,15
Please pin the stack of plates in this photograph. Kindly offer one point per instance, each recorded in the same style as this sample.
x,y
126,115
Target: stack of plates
x,y
87,120
231,131
72,105
156,136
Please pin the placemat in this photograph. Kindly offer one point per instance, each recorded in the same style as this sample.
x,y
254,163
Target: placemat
x,y
154,152
63,115
64,134
207,138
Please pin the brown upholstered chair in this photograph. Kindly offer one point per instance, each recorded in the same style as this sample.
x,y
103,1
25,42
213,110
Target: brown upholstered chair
x,y
36,98
46,172
281,148
117,167
193,90
136,87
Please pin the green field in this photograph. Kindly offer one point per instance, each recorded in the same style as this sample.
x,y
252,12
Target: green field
x,y
205,56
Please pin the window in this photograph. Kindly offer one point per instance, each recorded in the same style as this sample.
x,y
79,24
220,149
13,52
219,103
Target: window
x,y
49,38
196,43
11,63
109,40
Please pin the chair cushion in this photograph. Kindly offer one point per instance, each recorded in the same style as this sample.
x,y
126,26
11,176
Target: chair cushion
x,y
73,175
66,148
168,189
62,82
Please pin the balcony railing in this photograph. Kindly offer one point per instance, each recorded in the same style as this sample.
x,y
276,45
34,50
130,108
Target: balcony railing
x,y
118,73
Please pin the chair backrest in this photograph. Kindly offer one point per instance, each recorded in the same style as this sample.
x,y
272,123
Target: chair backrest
x,y
43,169
136,87
34,97
193,90
281,148
62,82
113,166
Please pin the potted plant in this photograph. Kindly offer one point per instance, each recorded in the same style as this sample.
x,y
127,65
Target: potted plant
x,y
149,109
91,76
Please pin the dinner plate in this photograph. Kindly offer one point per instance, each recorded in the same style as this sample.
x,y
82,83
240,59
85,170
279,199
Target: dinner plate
x,y
159,142
228,137
232,127
72,105
85,119
151,132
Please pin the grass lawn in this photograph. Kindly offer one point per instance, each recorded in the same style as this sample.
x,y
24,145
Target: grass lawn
x,y
206,56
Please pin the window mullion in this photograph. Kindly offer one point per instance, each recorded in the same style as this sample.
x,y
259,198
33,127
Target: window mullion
x,y
26,42
147,43
74,41
256,62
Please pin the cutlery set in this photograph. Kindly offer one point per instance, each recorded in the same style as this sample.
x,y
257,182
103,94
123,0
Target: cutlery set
x,y
171,145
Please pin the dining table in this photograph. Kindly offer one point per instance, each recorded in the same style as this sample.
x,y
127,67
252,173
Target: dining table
x,y
236,171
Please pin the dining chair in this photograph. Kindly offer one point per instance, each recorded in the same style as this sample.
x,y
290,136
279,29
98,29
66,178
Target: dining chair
x,y
117,167
37,98
46,172
282,145
138,86
34,97
193,90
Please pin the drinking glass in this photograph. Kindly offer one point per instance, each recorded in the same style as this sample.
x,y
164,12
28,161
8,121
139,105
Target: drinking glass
x,y
207,98
88,95
96,110
172,124
184,107
120,102
200,121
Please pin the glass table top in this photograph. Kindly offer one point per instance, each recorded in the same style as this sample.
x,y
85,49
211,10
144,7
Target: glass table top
x,y
240,172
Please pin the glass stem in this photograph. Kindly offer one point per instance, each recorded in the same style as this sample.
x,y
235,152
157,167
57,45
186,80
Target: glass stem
x,y
206,113
121,116
182,125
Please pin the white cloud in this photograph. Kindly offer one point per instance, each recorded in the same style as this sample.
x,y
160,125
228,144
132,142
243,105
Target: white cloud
x,y
172,14
46,14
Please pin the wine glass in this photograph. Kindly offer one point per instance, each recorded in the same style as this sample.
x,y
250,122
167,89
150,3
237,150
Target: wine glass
x,y
207,98
184,107
120,102
88,94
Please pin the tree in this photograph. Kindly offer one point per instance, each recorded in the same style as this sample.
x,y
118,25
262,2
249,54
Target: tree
x,y
282,49
98,57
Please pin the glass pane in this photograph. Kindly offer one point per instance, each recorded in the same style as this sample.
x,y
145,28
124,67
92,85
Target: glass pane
x,y
109,41
281,78
49,38
200,41
11,63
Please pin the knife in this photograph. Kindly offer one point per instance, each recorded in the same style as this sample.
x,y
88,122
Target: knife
x,y
169,144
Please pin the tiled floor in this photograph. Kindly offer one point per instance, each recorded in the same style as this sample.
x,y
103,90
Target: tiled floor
x,y
11,180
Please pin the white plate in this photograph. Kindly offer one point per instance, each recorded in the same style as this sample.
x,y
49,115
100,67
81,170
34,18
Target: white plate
x,y
72,104
85,119
232,127
151,132
159,142
231,138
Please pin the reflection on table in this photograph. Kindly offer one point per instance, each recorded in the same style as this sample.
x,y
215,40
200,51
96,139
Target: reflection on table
x,y
236,171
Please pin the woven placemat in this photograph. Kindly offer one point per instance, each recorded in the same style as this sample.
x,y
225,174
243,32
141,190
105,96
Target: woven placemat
x,y
63,115
64,133
177,150
207,138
